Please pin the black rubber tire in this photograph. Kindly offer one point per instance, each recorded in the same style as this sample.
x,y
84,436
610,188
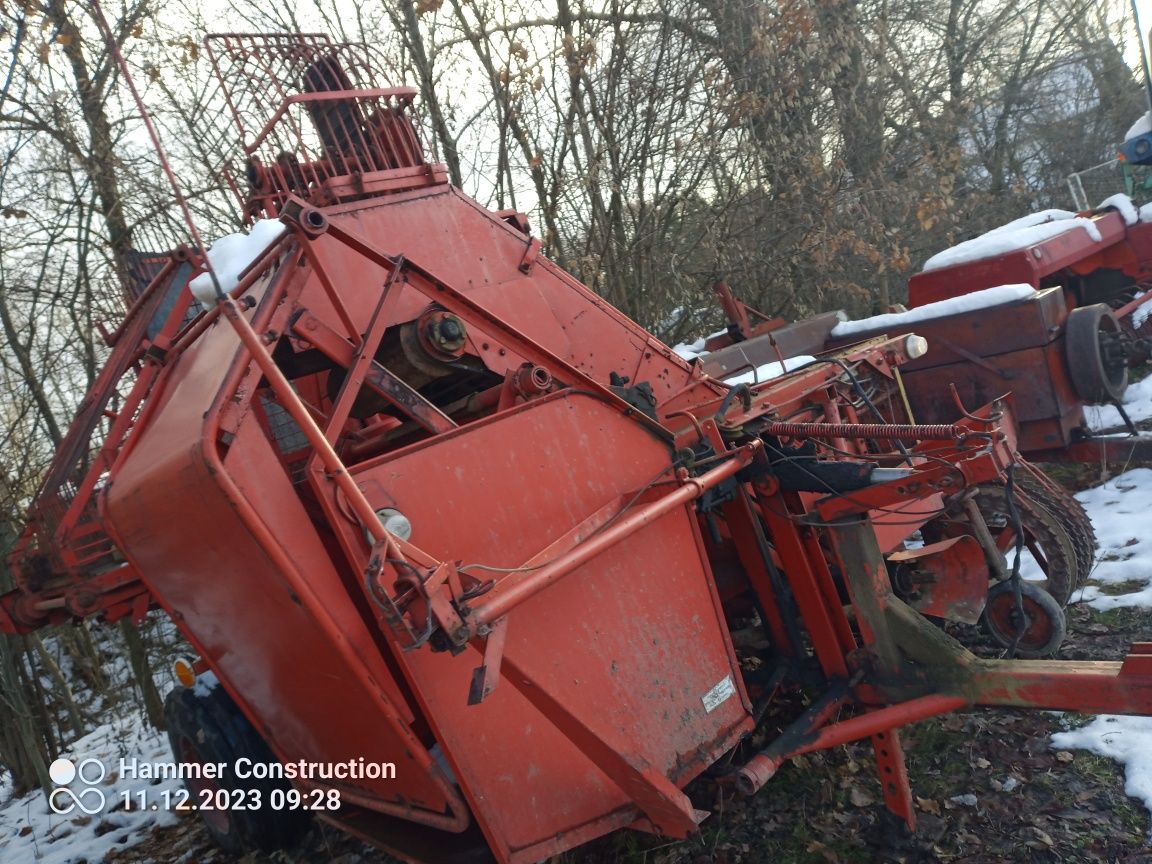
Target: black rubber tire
x,y
207,726
1045,625
1094,379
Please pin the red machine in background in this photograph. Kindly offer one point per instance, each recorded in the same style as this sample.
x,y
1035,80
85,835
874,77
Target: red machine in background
x,y
1046,310
416,495
1070,344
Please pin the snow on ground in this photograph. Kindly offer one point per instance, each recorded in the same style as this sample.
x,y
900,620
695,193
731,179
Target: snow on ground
x,y
1018,234
1137,403
1001,295
1128,740
96,821
1119,510
230,255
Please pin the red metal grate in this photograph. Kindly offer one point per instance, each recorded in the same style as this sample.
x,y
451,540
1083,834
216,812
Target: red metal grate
x,y
309,122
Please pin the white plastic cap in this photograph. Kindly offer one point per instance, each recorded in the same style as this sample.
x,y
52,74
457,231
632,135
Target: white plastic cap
x,y
395,523
915,346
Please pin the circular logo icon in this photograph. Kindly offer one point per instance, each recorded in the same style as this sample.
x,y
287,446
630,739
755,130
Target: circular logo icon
x,y
88,800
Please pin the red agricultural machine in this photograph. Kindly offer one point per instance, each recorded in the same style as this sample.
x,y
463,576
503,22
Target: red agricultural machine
x,y
1068,343
417,496
1048,309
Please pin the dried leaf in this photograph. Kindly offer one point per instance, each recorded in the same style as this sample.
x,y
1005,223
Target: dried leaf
x,y
1042,836
828,854
928,805
860,797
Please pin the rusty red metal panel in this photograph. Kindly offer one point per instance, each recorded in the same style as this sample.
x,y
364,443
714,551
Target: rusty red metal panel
x,y
1028,266
637,661
239,532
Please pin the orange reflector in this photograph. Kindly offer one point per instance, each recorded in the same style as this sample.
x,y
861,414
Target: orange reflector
x,y
185,670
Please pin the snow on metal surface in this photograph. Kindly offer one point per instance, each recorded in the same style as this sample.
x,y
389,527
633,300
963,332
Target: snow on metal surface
x,y
1001,295
1018,234
206,682
769,371
1124,204
1144,124
230,255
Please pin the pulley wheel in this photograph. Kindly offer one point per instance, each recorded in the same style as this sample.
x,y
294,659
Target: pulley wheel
x,y
1094,351
1043,619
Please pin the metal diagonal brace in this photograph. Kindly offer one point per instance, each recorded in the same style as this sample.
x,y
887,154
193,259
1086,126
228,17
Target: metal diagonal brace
x,y
514,590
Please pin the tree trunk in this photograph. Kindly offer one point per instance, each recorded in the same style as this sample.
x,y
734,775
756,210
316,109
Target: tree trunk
x,y
142,671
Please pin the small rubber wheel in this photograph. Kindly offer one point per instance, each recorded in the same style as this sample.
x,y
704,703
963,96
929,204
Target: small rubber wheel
x,y
1097,363
1045,536
205,726
1044,623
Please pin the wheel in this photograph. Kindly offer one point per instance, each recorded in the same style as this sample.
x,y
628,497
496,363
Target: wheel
x,y
205,726
1094,351
1069,512
1045,536
1044,624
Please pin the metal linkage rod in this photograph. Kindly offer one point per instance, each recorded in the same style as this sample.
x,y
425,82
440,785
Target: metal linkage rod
x,y
515,590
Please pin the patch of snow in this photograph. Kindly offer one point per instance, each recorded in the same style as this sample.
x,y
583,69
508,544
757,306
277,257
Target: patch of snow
x,y
1140,313
1144,124
230,255
1124,204
1119,511
1001,295
1030,569
31,832
692,350
1137,402
1018,234
1128,740
206,682
769,371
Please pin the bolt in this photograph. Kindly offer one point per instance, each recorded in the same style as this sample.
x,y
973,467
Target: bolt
x,y
450,330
